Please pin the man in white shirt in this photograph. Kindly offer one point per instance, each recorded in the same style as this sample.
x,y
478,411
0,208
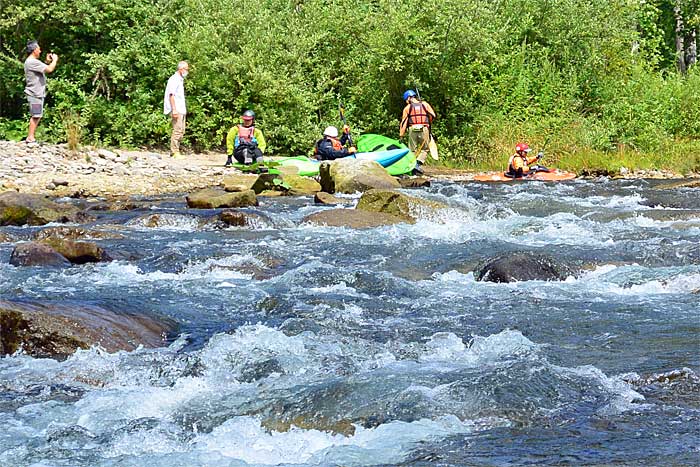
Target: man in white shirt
x,y
174,104
35,77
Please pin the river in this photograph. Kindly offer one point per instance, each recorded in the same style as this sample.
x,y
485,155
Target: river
x,y
316,346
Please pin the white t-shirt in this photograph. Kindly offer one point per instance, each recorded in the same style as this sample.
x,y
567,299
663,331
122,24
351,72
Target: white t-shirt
x,y
176,88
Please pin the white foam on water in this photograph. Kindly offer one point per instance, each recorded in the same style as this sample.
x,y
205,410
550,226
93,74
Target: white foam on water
x,y
623,203
635,280
121,273
447,347
623,397
244,438
339,288
645,222
167,221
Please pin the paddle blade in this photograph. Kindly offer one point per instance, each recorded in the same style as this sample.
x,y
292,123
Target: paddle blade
x,y
432,146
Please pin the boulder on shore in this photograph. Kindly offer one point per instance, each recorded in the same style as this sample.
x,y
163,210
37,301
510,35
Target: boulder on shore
x,y
31,209
212,198
409,208
56,330
352,218
352,176
522,266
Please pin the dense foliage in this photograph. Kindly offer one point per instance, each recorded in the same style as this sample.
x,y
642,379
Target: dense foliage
x,y
576,75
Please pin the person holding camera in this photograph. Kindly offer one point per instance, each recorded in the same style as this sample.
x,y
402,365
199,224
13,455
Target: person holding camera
x,y
35,77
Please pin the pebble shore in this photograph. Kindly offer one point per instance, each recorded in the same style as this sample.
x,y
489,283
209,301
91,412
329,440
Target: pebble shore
x,y
54,170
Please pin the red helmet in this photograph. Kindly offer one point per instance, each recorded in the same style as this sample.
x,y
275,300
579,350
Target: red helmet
x,y
522,147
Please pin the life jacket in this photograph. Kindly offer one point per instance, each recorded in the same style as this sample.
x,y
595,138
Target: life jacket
x,y
418,115
511,168
335,141
246,134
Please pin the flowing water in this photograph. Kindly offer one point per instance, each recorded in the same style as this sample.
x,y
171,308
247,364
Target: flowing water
x,y
306,345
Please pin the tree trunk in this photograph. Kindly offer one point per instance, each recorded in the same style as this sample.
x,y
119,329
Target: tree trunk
x,y
680,47
691,56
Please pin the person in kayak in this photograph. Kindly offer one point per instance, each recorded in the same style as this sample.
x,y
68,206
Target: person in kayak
x,y
519,163
330,147
417,118
245,142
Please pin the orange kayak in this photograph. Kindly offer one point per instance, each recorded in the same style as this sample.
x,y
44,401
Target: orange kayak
x,y
552,176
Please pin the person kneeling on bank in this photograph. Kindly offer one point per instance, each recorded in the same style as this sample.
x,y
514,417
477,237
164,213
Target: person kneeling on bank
x,y
330,147
244,142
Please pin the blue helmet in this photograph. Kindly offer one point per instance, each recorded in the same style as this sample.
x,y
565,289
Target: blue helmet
x,y
409,93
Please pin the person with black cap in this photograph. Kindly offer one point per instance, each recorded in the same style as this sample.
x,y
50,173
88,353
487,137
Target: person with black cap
x,y
35,77
245,142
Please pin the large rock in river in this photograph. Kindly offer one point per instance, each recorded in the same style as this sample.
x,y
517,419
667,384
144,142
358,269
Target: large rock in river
x,y
398,204
26,208
525,266
239,182
352,218
211,198
37,254
352,176
78,252
45,329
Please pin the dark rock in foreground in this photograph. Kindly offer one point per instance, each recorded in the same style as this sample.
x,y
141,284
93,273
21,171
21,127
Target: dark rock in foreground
x,y
514,267
56,330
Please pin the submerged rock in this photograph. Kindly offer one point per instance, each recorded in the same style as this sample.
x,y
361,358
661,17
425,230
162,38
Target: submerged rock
x,y
684,183
211,198
352,176
74,233
353,218
55,330
30,209
398,204
525,266
414,182
235,218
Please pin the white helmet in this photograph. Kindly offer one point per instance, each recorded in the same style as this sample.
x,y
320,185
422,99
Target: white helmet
x,y
331,131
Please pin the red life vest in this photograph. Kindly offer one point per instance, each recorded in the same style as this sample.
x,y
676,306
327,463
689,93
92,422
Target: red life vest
x,y
418,115
246,134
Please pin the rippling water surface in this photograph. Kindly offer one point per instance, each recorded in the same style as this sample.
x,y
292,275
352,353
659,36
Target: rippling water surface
x,y
305,345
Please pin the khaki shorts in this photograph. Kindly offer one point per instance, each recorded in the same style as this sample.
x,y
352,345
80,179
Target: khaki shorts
x,y
36,106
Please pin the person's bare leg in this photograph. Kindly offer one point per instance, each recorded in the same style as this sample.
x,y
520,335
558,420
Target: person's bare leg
x,y
33,123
